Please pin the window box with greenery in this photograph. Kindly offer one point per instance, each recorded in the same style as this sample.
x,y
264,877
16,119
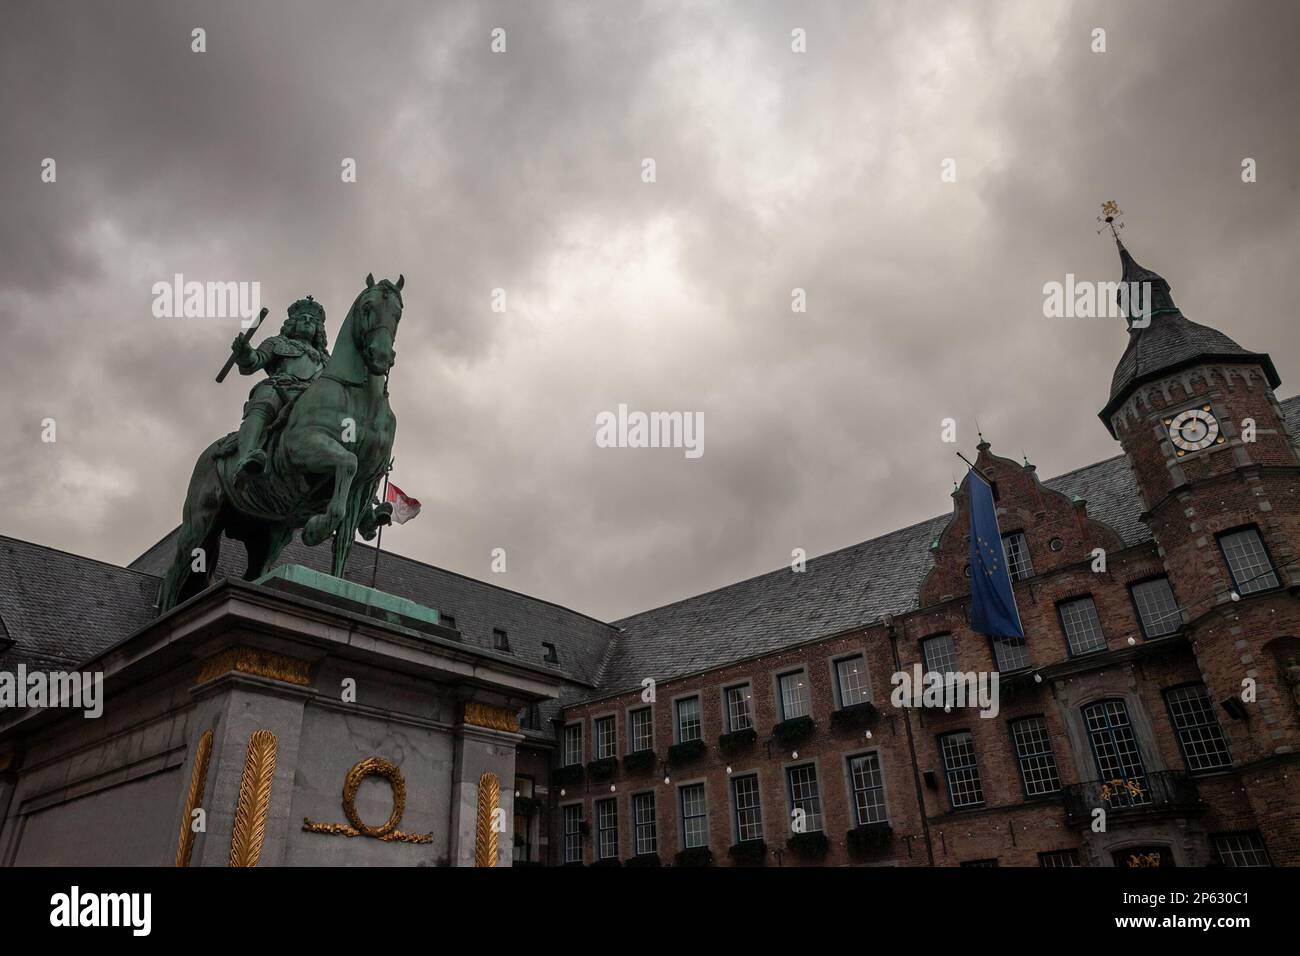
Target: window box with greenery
x,y
869,838
602,769
855,716
639,762
686,752
749,853
570,774
737,741
794,730
810,846
695,856
645,859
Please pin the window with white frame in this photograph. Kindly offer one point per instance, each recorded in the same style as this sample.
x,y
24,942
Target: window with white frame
x,y
688,720
740,707
1248,561
645,830
749,814
573,833
1010,653
868,789
695,820
961,770
851,680
940,654
1016,548
794,695
1082,628
640,730
1157,608
607,829
604,737
1199,733
1034,752
802,781
1241,849
572,744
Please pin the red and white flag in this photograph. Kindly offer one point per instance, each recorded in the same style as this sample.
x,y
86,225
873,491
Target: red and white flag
x,y
404,506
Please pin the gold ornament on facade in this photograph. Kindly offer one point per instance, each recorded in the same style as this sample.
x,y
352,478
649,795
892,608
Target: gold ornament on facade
x,y
387,831
259,663
254,800
485,837
198,782
494,718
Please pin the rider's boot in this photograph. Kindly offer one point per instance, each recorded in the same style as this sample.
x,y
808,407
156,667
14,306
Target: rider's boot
x,y
252,460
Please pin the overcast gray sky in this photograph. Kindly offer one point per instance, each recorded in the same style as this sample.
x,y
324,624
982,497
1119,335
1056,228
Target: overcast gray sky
x,y
522,171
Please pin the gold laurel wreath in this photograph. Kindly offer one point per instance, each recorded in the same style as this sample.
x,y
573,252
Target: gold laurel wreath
x,y
198,782
485,839
254,800
387,831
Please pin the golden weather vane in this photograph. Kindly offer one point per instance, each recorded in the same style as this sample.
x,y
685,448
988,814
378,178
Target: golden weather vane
x,y
1109,218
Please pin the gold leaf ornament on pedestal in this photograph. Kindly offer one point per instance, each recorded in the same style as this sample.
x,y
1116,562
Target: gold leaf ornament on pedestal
x,y
485,837
254,800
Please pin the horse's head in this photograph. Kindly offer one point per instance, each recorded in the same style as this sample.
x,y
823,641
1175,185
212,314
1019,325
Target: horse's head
x,y
377,311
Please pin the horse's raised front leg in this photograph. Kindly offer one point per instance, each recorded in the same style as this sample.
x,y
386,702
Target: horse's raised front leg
x,y
317,454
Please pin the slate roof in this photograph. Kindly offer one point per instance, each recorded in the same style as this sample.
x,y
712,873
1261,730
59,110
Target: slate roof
x,y
61,609
1170,342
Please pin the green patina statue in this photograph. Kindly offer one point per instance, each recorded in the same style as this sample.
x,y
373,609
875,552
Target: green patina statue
x,y
316,441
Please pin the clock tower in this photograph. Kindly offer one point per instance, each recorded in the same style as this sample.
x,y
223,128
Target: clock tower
x,y
1219,476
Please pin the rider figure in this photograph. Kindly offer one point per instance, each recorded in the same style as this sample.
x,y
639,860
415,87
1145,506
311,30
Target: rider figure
x,y
292,361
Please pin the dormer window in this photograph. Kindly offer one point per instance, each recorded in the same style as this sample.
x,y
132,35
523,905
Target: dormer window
x,y
500,640
550,656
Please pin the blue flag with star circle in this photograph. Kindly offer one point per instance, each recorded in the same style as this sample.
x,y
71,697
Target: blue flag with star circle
x,y
993,604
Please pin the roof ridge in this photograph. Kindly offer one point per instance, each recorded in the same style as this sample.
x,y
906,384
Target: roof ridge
x,y
80,557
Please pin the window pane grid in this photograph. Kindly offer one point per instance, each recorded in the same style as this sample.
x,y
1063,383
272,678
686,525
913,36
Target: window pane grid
x,y
643,823
794,696
1059,858
804,796
964,786
640,730
739,708
1082,629
606,738
688,719
1119,762
851,673
749,815
940,654
607,829
1015,547
868,789
1241,849
1157,608
695,825
1198,730
1037,762
573,834
1248,561
572,744
1010,653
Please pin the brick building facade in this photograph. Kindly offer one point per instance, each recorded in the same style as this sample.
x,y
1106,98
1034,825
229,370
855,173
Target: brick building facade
x,y
1150,717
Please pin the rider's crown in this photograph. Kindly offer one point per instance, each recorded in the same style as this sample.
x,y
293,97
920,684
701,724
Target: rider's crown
x,y
308,307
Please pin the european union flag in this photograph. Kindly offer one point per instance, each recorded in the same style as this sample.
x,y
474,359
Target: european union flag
x,y
993,604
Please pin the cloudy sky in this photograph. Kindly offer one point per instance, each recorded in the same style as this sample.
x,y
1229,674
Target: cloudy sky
x,y
522,171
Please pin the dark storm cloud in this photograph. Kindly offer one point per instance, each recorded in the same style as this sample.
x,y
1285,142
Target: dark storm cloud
x,y
522,171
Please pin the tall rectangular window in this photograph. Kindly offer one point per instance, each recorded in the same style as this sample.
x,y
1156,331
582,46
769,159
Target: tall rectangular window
x,y
1082,628
1199,733
1010,653
1157,609
640,730
868,790
805,796
1034,752
607,829
961,770
688,719
646,831
1241,849
605,737
1248,561
1016,548
572,744
740,707
794,695
940,654
749,815
695,821
851,680
1056,859
573,833
1115,748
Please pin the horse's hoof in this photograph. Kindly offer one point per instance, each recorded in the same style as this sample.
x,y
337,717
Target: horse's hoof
x,y
316,531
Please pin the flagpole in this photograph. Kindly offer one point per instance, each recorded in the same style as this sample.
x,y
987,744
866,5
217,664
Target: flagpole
x,y
379,541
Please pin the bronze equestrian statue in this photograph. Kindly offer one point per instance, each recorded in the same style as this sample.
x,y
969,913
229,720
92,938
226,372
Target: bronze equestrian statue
x,y
328,434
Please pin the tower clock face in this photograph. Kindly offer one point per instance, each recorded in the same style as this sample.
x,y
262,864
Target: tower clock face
x,y
1193,430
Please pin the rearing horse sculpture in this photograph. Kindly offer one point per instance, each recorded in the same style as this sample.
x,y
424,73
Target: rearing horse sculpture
x,y
325,465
